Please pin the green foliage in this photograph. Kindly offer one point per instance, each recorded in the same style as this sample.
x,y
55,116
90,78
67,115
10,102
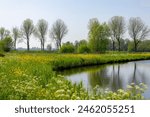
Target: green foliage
x,y
78,60
67,48
138,31
41,31
29,76
2,55
144,46
117,29
4,33
131,47
83,48
27,29
133,92
6,44
16,35
98,36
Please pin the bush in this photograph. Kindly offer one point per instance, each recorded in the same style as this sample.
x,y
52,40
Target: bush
x,y
83,48
144,46
67,48
6,44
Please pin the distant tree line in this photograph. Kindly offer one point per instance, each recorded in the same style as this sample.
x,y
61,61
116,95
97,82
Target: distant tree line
x,y
101,36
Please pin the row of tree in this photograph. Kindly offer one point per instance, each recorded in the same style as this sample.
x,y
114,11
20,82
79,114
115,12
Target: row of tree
x,y
100,33
40,30
83,46
99,37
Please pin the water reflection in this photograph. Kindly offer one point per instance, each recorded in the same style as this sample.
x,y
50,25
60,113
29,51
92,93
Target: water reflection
x,y
112,77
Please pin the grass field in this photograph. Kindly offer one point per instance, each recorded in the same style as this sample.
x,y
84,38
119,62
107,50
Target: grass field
x,y
32,76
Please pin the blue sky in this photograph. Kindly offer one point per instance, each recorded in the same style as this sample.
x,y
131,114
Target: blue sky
x,y
75,13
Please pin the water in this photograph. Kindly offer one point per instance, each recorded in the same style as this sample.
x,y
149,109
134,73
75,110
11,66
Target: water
x,y
113,76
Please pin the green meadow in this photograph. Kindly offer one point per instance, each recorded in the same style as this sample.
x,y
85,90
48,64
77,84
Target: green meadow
x,y
33,76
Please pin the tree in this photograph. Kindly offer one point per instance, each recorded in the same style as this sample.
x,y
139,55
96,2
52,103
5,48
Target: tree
x,y
49,47
98,36
41,31
117,29
67,48
83,41
27,30
138,31
144,46
83,46
58,31
7,33
125,44
76,44
6,44
16,35
4,33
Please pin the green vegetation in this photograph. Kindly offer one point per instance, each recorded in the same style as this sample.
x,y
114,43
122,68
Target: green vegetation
x,y
6,44
78,60
2,55
41,31
31,76
58,31
102,36
67,48
117,30
143,46
82,47
133,92
27,29
98,36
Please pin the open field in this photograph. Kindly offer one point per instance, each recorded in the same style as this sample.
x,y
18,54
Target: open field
x,y
33,76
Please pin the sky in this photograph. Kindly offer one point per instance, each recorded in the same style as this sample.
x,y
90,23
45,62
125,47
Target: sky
x,y
75,14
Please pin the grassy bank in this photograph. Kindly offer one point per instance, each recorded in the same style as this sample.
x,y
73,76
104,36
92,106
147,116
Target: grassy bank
x,y
79,60
32,76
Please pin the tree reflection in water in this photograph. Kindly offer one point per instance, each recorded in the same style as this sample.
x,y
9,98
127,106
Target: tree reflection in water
x,y
104,80
112,77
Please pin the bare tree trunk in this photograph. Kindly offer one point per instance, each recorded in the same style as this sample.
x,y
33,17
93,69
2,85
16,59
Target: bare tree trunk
x,y
43,45
59,44
119,45
135,46
15,44
28,46
113,44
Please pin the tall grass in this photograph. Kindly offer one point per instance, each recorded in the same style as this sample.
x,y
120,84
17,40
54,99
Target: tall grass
x,y
78,60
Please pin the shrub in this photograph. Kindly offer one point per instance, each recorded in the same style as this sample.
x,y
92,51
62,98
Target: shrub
x,y
83,48
6,44
67,48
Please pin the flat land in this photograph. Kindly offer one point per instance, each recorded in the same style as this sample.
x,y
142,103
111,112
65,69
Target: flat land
x,y
32,75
